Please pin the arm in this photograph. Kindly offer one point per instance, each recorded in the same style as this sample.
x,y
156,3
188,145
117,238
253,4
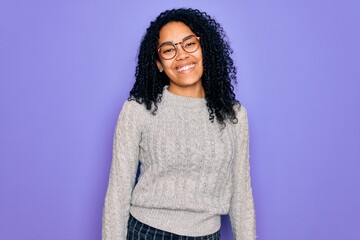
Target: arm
x,y
242,213
122,173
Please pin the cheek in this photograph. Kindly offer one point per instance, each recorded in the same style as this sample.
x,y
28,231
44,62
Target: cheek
x,y
199,53
167,64
199,58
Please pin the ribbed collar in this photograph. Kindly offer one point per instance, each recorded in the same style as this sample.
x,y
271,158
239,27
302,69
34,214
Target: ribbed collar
x,y
182,101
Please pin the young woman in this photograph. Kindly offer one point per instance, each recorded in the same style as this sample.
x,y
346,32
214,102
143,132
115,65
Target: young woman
x,y
184,126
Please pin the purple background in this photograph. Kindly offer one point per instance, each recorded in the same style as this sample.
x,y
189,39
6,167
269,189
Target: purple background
x,y
67,66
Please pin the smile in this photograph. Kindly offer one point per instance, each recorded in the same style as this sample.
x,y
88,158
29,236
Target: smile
x,y
186,68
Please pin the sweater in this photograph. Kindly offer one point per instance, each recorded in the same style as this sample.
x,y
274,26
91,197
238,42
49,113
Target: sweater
x,y
192,170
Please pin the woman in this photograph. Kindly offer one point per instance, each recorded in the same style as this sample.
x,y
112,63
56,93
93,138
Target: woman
x,y
184,126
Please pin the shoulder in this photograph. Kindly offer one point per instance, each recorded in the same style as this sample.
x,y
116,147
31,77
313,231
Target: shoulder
x,y
133,111
132,106
132,116
242,125
241,112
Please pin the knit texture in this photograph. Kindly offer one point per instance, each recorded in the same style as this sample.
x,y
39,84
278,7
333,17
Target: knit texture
x,y
191,171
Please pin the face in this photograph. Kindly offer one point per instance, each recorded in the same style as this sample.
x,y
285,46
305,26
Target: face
x,y
185,69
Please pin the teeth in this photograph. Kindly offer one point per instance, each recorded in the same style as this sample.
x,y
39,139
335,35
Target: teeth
x,y
186,67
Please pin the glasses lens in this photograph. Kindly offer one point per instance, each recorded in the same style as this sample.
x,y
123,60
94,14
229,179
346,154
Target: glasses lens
x,y
167,51
191,45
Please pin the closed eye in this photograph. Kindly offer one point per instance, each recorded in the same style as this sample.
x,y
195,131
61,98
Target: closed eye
x,y
168,50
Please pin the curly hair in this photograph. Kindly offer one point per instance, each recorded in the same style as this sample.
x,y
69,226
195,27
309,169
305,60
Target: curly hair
x,y
218,68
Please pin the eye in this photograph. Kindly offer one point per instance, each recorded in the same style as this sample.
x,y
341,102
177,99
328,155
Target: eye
x,y
169,50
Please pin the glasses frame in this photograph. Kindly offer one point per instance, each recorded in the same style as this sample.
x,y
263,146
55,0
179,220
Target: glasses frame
x,y
179,43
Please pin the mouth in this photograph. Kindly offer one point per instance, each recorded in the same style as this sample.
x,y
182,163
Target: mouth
x,y
185,68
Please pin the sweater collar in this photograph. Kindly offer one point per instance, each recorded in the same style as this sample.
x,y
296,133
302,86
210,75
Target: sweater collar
x,y
169,97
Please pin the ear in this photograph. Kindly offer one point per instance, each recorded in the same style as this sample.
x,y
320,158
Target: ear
x,y
159,65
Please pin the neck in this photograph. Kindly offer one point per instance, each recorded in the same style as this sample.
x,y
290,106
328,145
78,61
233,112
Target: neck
x,y
194,92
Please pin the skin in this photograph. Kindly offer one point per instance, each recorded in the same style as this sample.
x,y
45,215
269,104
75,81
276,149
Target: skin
x,y
184,83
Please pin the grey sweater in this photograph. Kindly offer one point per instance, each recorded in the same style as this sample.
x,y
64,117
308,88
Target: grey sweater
x,y
191,171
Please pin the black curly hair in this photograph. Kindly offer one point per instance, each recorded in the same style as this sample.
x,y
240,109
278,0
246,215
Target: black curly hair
x,y
218,73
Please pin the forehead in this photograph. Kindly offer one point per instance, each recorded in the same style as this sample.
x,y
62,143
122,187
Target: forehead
x,y
174,32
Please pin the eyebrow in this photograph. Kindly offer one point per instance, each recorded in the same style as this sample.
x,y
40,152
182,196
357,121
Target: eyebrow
x,y
185,38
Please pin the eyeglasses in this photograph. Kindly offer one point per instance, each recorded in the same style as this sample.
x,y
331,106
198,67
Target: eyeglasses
x,y
168,50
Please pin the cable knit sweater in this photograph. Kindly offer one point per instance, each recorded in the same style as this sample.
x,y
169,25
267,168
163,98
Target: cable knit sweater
x,y
191,171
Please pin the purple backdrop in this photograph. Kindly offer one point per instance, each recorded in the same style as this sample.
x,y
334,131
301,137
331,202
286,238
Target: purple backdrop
x,y
67,66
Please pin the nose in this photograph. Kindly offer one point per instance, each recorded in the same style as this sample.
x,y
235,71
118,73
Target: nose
x,y
181,53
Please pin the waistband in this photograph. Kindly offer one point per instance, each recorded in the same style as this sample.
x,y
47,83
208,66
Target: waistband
x,y
139,230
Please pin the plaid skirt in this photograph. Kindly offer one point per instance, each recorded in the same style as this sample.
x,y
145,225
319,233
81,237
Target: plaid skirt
x,y
140,231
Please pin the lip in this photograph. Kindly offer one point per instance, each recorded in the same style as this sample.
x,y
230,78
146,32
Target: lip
x,y
185,68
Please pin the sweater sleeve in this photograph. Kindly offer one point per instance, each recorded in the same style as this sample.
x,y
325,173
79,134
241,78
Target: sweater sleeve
x,y
242,213
127,137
